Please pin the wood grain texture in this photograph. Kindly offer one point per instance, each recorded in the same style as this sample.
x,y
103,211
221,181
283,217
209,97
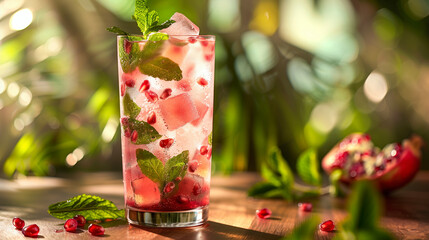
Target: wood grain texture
x,y
232,213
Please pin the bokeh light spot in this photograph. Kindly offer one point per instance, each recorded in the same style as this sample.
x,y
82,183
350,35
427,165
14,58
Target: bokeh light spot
x,y
21,19
375,87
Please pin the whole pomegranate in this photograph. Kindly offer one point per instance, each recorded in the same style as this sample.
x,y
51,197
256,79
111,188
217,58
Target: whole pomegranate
x,y
391,167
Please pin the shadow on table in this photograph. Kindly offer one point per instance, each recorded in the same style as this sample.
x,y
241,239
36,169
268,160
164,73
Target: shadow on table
x,y
212,231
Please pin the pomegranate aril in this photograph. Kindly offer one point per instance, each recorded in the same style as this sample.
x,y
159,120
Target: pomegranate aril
x,y
127,132
124,121
340,159
182,199
134,136
327,226
178,179
192,40
193,165
96,230
129,82
204,150
166,93
18,223
208,57
305,207
145,86
151,119
204,43
127,46
169,187
202,82
166,143
31,230
263,213
357,170
196,189
70,225
122,89
80,220
151,96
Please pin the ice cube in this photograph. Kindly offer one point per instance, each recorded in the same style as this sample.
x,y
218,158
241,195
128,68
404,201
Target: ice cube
x,y
178,110
182,26
146,192
192,187
202,110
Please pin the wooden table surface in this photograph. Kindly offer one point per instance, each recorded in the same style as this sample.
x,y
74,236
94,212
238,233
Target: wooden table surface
x,y
232,213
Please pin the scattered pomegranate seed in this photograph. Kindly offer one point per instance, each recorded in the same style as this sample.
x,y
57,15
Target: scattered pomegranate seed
x,y
31,230
127,132
182,199
204,150
18,223
127,46
166,93
166,143
96,230
151,96
169,187
196,189
70,225
145,86
122,89
134,136
124,121
80,220
327,226
151,119
263,213
305,207
202,82
192,40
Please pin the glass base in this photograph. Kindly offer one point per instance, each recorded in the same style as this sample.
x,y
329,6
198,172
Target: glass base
x,y
186,218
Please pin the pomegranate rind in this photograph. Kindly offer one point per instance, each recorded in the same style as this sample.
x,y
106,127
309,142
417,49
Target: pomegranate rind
x,y
395,176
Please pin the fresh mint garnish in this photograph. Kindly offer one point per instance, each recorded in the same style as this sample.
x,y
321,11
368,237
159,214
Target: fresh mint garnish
x,y
117,30
153,168
210,139
158,36
148,21
163,68
146,133
131,109
91,207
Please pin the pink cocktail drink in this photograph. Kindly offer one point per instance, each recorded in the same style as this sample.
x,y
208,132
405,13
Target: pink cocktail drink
x,y
166,95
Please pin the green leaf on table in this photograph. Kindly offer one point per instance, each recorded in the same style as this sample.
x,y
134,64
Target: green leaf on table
x,y
162,68
117,30
308,167
146,133
276,160
150,165
270,175
176,166
305,231
131,109
265,190
91,207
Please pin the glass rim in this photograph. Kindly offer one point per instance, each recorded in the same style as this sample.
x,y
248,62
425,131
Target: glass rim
x,y
209,37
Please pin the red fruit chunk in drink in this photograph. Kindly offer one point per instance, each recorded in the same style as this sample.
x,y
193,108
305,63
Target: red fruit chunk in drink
x,y
178,110
31,230
166,93
18,223
166,143
204,150
202,82
96,230
193,165
263,213
146,192
151,96
327,226
151,119
145,86
169,187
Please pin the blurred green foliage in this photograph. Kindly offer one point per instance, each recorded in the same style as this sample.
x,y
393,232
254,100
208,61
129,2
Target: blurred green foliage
x,y
289,73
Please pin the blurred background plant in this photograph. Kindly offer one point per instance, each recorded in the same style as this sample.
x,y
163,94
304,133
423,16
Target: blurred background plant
x,y
289,73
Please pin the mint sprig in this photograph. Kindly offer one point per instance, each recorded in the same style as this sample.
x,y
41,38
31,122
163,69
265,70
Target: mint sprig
x,y
154,169
91,207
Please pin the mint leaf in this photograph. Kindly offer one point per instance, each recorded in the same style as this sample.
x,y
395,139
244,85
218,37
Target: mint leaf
x,y
277,161
176,166
271,175
91,207
150,50
165,24
210,139
150,165
131,109
158,37
140,15
264,190
162,68
146,133
129,61
308,167
305,231
117,30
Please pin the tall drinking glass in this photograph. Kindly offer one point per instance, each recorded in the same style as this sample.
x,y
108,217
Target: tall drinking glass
x,y
166,105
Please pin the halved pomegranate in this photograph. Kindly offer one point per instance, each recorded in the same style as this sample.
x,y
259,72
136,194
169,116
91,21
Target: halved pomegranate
x,y
391,168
